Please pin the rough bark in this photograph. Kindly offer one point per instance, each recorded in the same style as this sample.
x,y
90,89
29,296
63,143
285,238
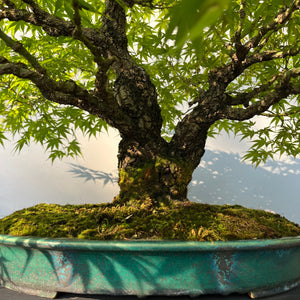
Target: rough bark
x,y
149,170
148,165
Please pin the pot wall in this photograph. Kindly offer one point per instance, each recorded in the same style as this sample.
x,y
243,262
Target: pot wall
x,y
261,267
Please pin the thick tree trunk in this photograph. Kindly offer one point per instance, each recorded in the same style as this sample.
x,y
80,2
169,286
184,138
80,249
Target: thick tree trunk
x,y
149,167
153,171
146,171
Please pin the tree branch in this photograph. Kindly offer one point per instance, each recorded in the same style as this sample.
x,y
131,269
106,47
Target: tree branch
x,y
75,94
19,48
240,48
114,28
281,18
264,33
222,76
78,34
122,108
244,98
54,26
280,115
18,69
283,89
146,3
270,55
8,3
67,93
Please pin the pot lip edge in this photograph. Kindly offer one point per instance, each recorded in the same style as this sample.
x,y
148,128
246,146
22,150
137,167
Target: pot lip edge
x,y
147,245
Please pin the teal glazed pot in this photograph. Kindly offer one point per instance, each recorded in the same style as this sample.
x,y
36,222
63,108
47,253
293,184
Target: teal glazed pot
x,y
44,267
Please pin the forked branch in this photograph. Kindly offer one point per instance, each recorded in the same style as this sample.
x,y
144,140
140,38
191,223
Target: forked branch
x,y
19,48
283,89
281,18
66,92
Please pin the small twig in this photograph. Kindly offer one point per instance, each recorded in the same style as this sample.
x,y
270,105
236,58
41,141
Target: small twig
x,y
19,48
281,18
228,46
272,115
242,14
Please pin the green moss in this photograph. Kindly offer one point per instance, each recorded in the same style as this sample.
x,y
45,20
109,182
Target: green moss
x,y
154,179
143,220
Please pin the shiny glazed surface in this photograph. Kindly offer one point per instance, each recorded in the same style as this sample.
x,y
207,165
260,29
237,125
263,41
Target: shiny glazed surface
x,y
260,267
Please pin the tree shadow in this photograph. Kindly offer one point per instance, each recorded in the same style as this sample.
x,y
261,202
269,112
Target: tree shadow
x,y
33,265
221,178
3,270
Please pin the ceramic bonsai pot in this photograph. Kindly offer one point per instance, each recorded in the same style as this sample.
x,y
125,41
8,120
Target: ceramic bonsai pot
x,y
44,267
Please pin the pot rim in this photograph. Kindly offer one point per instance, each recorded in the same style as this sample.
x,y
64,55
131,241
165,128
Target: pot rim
x,y
61,244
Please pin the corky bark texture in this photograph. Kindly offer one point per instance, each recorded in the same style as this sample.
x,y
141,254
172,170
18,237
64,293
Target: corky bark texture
x,y
148,165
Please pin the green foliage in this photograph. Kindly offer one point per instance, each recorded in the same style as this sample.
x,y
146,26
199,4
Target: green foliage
x,y
29,117
178,43
23,109
190,18
210,48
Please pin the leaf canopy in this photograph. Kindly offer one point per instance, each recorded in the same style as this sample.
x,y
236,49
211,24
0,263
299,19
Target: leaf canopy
x,y
180,44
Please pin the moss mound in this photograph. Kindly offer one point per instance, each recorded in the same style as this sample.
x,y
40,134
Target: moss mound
x,y
179,221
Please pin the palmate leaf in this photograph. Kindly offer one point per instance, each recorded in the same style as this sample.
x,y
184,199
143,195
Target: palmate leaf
x,y
189,18
2,138
87,6
58,5
68,6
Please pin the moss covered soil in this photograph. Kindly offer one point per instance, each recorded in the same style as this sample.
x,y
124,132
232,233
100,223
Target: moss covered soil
x,y
179,221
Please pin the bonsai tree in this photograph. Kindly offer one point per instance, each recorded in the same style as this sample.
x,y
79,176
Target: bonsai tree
x,y
166,74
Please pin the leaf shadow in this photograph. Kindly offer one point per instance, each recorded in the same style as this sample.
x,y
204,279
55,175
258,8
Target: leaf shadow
x,y
3,269
221,178
60,269
89,174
